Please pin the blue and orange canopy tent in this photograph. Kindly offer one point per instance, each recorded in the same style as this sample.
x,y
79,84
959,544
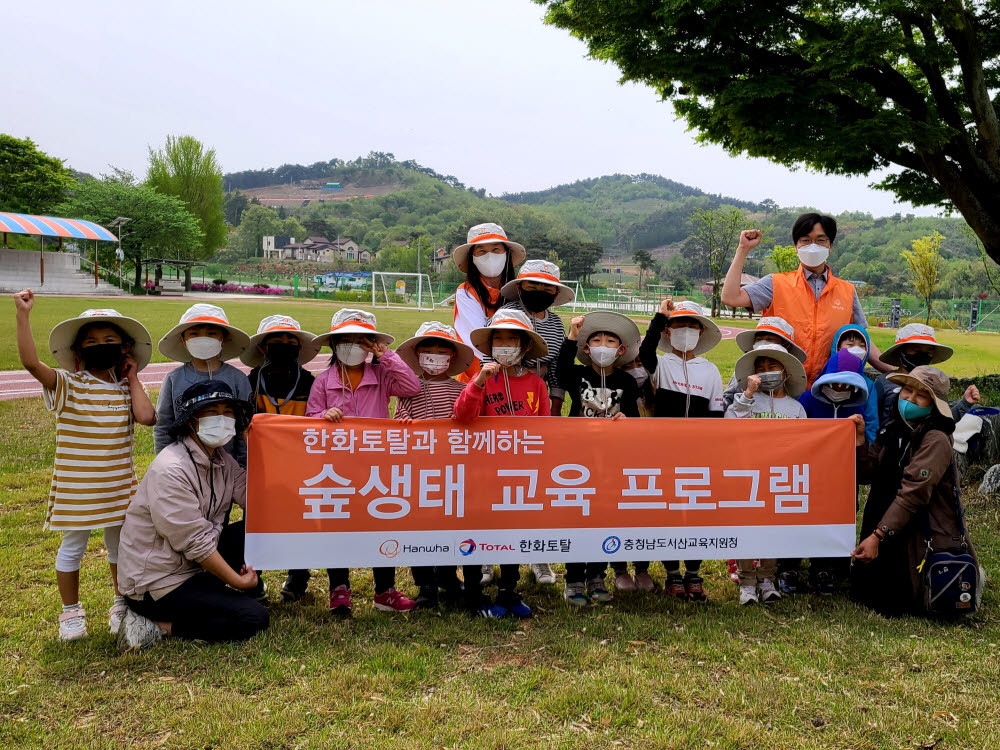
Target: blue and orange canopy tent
x,y
53,226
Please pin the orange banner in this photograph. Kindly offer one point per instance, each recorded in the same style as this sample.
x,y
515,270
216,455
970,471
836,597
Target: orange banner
x,y
361,491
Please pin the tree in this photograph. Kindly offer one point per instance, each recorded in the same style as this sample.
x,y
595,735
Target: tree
x,y
718,232
785,258
644,260
31,181
845,88
925,267
160,226
235,204
185,169
768,206
257,222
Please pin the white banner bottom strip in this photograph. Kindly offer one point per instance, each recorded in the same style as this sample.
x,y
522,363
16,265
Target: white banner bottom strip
x,y
367,549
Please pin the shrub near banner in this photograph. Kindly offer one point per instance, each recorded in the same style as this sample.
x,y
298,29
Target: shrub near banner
x,y
369,492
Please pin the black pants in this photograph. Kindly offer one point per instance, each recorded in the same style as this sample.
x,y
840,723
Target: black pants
x,y
581,572
473,575
690,566
622,567
385,578
203,607
442,576
838,567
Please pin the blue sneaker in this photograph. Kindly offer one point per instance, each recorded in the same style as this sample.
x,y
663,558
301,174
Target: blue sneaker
x,y
788,582
487,610
514,603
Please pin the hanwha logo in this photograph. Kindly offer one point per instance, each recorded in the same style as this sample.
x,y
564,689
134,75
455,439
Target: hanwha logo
x,y
389,548
611,545
467,547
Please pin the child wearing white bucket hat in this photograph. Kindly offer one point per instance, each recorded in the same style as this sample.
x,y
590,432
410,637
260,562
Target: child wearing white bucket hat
x,y
202,340
97,399
686,386
916,345
280,384
503,387
771,378
769,330
435,355
535,291
354,387
494,258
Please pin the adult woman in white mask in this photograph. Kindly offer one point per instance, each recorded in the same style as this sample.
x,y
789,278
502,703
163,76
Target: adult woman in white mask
x,y
487,259
813,301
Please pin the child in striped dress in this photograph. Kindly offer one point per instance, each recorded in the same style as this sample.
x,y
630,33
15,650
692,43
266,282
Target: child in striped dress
x,y
97,397
436,355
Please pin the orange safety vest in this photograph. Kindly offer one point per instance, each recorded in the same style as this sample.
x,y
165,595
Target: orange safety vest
x,y
490,309
815,320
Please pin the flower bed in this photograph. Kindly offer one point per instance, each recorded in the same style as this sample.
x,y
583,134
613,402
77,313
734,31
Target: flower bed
x,y
236,289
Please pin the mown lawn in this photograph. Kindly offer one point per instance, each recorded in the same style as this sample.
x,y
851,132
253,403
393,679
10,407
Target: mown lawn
x,y
642,672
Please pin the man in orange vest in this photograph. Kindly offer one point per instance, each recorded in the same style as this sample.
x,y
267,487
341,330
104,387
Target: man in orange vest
x,y
814,301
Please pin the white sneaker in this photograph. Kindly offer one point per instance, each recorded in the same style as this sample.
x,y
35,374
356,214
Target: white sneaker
x,y
543,573
138,632
768,593
487,575
72,625
748,595
116,616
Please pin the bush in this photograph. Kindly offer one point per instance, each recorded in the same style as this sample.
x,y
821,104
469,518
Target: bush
x,y
220,282
236,289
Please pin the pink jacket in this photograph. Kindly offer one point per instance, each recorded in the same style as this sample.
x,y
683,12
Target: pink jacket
x,y
389,377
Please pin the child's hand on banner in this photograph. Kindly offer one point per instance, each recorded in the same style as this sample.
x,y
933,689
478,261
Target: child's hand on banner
x,y
490,369
247,578
859,429
334,415
618,416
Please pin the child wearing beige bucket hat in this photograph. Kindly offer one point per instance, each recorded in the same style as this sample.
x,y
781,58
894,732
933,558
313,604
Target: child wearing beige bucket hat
x,y
97,399
202,341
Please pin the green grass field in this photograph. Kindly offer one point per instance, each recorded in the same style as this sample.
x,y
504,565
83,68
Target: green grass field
x,y
642,672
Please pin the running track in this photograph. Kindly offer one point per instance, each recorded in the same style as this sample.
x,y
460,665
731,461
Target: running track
x,y
19,384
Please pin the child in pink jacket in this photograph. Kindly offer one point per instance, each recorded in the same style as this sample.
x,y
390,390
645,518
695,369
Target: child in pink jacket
x,y
354,387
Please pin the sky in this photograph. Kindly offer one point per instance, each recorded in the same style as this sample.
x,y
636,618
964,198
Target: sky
x,y
480,89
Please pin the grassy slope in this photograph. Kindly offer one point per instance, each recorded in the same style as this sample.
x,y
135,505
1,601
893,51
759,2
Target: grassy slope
x,y
643,672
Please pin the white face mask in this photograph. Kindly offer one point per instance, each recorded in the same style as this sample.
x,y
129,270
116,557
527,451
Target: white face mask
x,y
491,264
350,355
603,356
203,347
684,339
813,255
434,364
858,351
506,355
217,430
836,396
640,374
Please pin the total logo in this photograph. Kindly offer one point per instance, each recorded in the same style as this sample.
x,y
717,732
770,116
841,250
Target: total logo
x,y
469,546
389,548
611,545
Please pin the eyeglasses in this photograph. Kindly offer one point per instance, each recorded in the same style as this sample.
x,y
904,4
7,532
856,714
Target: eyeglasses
x,y
821,241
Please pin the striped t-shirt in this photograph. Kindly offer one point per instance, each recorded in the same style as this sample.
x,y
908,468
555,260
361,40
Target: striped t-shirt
x,y
552,329
93,479
436,400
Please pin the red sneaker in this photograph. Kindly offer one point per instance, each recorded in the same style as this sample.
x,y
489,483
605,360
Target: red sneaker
x,y
393,601
675,586
340,601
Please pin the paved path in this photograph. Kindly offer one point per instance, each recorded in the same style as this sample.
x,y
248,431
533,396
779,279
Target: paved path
x,y
19,384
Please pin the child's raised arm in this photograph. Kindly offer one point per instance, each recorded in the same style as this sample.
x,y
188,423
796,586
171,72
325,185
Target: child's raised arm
x,y
23,302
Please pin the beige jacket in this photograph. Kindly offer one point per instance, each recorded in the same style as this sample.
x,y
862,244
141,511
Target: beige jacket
x,y
173,523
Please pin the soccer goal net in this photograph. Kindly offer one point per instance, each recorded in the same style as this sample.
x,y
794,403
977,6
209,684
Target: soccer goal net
x,y
579,299
412,290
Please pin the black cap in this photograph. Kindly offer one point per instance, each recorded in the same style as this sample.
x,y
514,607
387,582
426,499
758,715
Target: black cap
x,y
206,393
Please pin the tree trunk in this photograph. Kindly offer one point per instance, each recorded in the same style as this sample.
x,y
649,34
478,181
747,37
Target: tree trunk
x,y
138,271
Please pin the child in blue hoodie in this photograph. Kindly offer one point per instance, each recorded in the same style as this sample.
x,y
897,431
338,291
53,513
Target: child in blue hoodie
x,y
853,339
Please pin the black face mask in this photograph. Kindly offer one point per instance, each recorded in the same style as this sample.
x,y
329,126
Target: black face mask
x,y
102,356
537,301
916,359
282,354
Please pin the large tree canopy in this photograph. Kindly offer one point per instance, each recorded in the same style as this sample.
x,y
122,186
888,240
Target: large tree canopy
x,y
844,87
31,181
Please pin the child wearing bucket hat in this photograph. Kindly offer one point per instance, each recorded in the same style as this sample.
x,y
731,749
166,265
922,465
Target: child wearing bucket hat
x,y
597,388
202,341
182,569
535,291
435,355
769,330
503,387
771,377
487,259
353,387
97,399
686,386
914,508
280,384
916,345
